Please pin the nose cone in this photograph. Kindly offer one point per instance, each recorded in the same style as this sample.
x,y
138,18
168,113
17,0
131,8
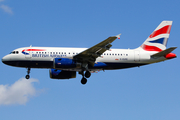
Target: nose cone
x,y
5,59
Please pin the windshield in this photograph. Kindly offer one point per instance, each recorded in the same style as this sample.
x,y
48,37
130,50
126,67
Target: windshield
x,y
14,52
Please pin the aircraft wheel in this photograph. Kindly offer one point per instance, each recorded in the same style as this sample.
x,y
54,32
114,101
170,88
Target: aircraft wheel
x,y
83,81
87,74
27,76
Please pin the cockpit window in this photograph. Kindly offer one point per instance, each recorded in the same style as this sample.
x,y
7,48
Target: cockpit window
x,y
14,52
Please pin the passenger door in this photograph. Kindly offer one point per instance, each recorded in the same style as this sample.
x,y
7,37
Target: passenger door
x,y
136,56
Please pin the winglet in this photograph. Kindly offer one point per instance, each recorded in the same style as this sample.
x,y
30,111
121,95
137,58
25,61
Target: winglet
x,y
118,36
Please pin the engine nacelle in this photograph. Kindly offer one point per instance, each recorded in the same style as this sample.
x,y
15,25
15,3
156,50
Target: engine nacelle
x,y
61,74
65,63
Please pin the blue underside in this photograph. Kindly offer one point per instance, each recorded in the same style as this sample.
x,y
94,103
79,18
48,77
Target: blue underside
x,y
49,64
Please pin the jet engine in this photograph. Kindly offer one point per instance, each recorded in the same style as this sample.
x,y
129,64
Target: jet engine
x,y
65,63
61,74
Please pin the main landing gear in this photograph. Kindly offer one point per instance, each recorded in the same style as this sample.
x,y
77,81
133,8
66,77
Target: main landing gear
x,y
87,75
28,71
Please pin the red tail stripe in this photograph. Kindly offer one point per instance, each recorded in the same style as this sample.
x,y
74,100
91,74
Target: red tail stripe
x,y
163,30
150,48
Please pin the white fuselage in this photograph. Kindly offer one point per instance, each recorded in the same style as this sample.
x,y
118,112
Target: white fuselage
x,y
64,62
42,57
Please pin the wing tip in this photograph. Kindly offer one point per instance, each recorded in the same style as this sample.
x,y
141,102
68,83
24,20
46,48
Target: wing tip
x,y
118,36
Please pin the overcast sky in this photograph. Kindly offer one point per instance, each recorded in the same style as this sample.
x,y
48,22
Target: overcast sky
x,y
149,92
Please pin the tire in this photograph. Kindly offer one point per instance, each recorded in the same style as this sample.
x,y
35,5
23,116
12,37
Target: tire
x,y
27,77
83,81
87,74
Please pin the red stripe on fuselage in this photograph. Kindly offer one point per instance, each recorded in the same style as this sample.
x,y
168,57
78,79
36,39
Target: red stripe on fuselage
x,y
34,50
163,30
150,48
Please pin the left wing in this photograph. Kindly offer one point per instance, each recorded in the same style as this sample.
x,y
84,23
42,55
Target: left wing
x,y
89,55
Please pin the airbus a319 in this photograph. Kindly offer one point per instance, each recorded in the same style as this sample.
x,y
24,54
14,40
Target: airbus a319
x,y
65,62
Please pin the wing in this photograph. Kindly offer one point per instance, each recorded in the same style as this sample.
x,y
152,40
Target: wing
x,y
89,55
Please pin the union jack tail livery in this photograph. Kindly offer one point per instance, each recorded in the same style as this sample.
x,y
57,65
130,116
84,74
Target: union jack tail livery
x,y
158,39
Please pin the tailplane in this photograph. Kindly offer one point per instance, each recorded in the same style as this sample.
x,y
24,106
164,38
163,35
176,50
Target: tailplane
x,y
157,41
166,53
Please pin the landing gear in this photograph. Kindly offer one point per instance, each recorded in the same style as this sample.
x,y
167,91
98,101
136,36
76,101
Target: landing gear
x,y
27,76
83,80
28,71
87,75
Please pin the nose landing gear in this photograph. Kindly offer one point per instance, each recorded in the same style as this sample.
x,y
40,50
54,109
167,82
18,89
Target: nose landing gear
x,y
28,71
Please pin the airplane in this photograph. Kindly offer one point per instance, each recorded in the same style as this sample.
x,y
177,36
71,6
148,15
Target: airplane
x,y
65,62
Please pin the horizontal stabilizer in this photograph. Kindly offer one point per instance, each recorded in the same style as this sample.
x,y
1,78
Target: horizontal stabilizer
x,y
163,53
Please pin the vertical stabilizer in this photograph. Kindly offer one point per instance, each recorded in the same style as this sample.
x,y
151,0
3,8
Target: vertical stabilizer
x,y
158,39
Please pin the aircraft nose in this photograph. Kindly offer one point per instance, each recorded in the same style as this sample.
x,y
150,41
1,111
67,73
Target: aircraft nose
x,y
9,61
5,59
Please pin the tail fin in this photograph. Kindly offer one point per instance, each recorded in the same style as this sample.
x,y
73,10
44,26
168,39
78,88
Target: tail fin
x,y
158,39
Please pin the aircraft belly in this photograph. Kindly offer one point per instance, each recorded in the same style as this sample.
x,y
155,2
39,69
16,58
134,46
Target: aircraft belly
x,y
122,65
30,63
